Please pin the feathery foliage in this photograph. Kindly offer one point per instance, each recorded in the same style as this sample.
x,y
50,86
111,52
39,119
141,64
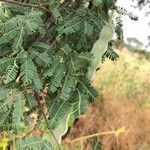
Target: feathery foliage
x,y
110,53
44,58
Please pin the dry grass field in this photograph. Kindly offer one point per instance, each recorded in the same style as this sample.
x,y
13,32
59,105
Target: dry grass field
x,y
124,102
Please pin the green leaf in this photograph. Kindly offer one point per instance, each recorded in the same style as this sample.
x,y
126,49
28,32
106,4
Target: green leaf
x,y
85,56
57,79
57,15
97,145
97,2
110,54
18,42
42,59
5,62
33,22
62,128
19,108
4,117
67,87
70,26
11,75
42,46
2,94
34,143
47,145
7,37
31,102
52,69
27,71
66,49
37,83
6,102
57,111
88,88
80,103
88,28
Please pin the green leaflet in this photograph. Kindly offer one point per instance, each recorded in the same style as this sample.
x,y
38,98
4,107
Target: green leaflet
x,y
16,28
68,85
2,94
5,111
75,63
14,8
57,15
28,71
42,46
99,48
66,49
37,83
97,145
62,128
18,42
19,108
88,28
123,11
52,69
34,143
57,79
4,117
80,104
12,105
47,145
97,2
118,28
42,59
4,62
31,101
6,37
57,111
89,89
79,61
70,26
59,130
3,16
110,53
11,75
10,24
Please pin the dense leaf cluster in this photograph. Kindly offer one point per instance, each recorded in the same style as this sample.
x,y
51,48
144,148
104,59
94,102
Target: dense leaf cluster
x,y
44,56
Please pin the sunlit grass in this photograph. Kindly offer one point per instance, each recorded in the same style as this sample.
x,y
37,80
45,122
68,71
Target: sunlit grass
x,y
127,79
124,101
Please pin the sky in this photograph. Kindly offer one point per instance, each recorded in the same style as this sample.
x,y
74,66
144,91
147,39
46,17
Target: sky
x,y
138,29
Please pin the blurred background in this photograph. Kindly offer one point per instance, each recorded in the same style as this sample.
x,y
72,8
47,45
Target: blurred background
x,y
124,87
137,32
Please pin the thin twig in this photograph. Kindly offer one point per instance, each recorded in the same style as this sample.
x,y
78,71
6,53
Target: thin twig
x,y
64,5
115,132
92,135
27,5
41,109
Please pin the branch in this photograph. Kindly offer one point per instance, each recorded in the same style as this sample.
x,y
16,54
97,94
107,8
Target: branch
x,y
46,121
64,4
115,132
27,5
111,16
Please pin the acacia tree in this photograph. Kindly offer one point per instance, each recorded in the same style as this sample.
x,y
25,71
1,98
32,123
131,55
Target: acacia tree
x,y
45,54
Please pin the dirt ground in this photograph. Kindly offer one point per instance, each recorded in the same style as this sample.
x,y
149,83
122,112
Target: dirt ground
x,y
110,115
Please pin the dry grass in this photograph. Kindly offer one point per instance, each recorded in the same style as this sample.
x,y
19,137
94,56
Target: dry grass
x,y
125,101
